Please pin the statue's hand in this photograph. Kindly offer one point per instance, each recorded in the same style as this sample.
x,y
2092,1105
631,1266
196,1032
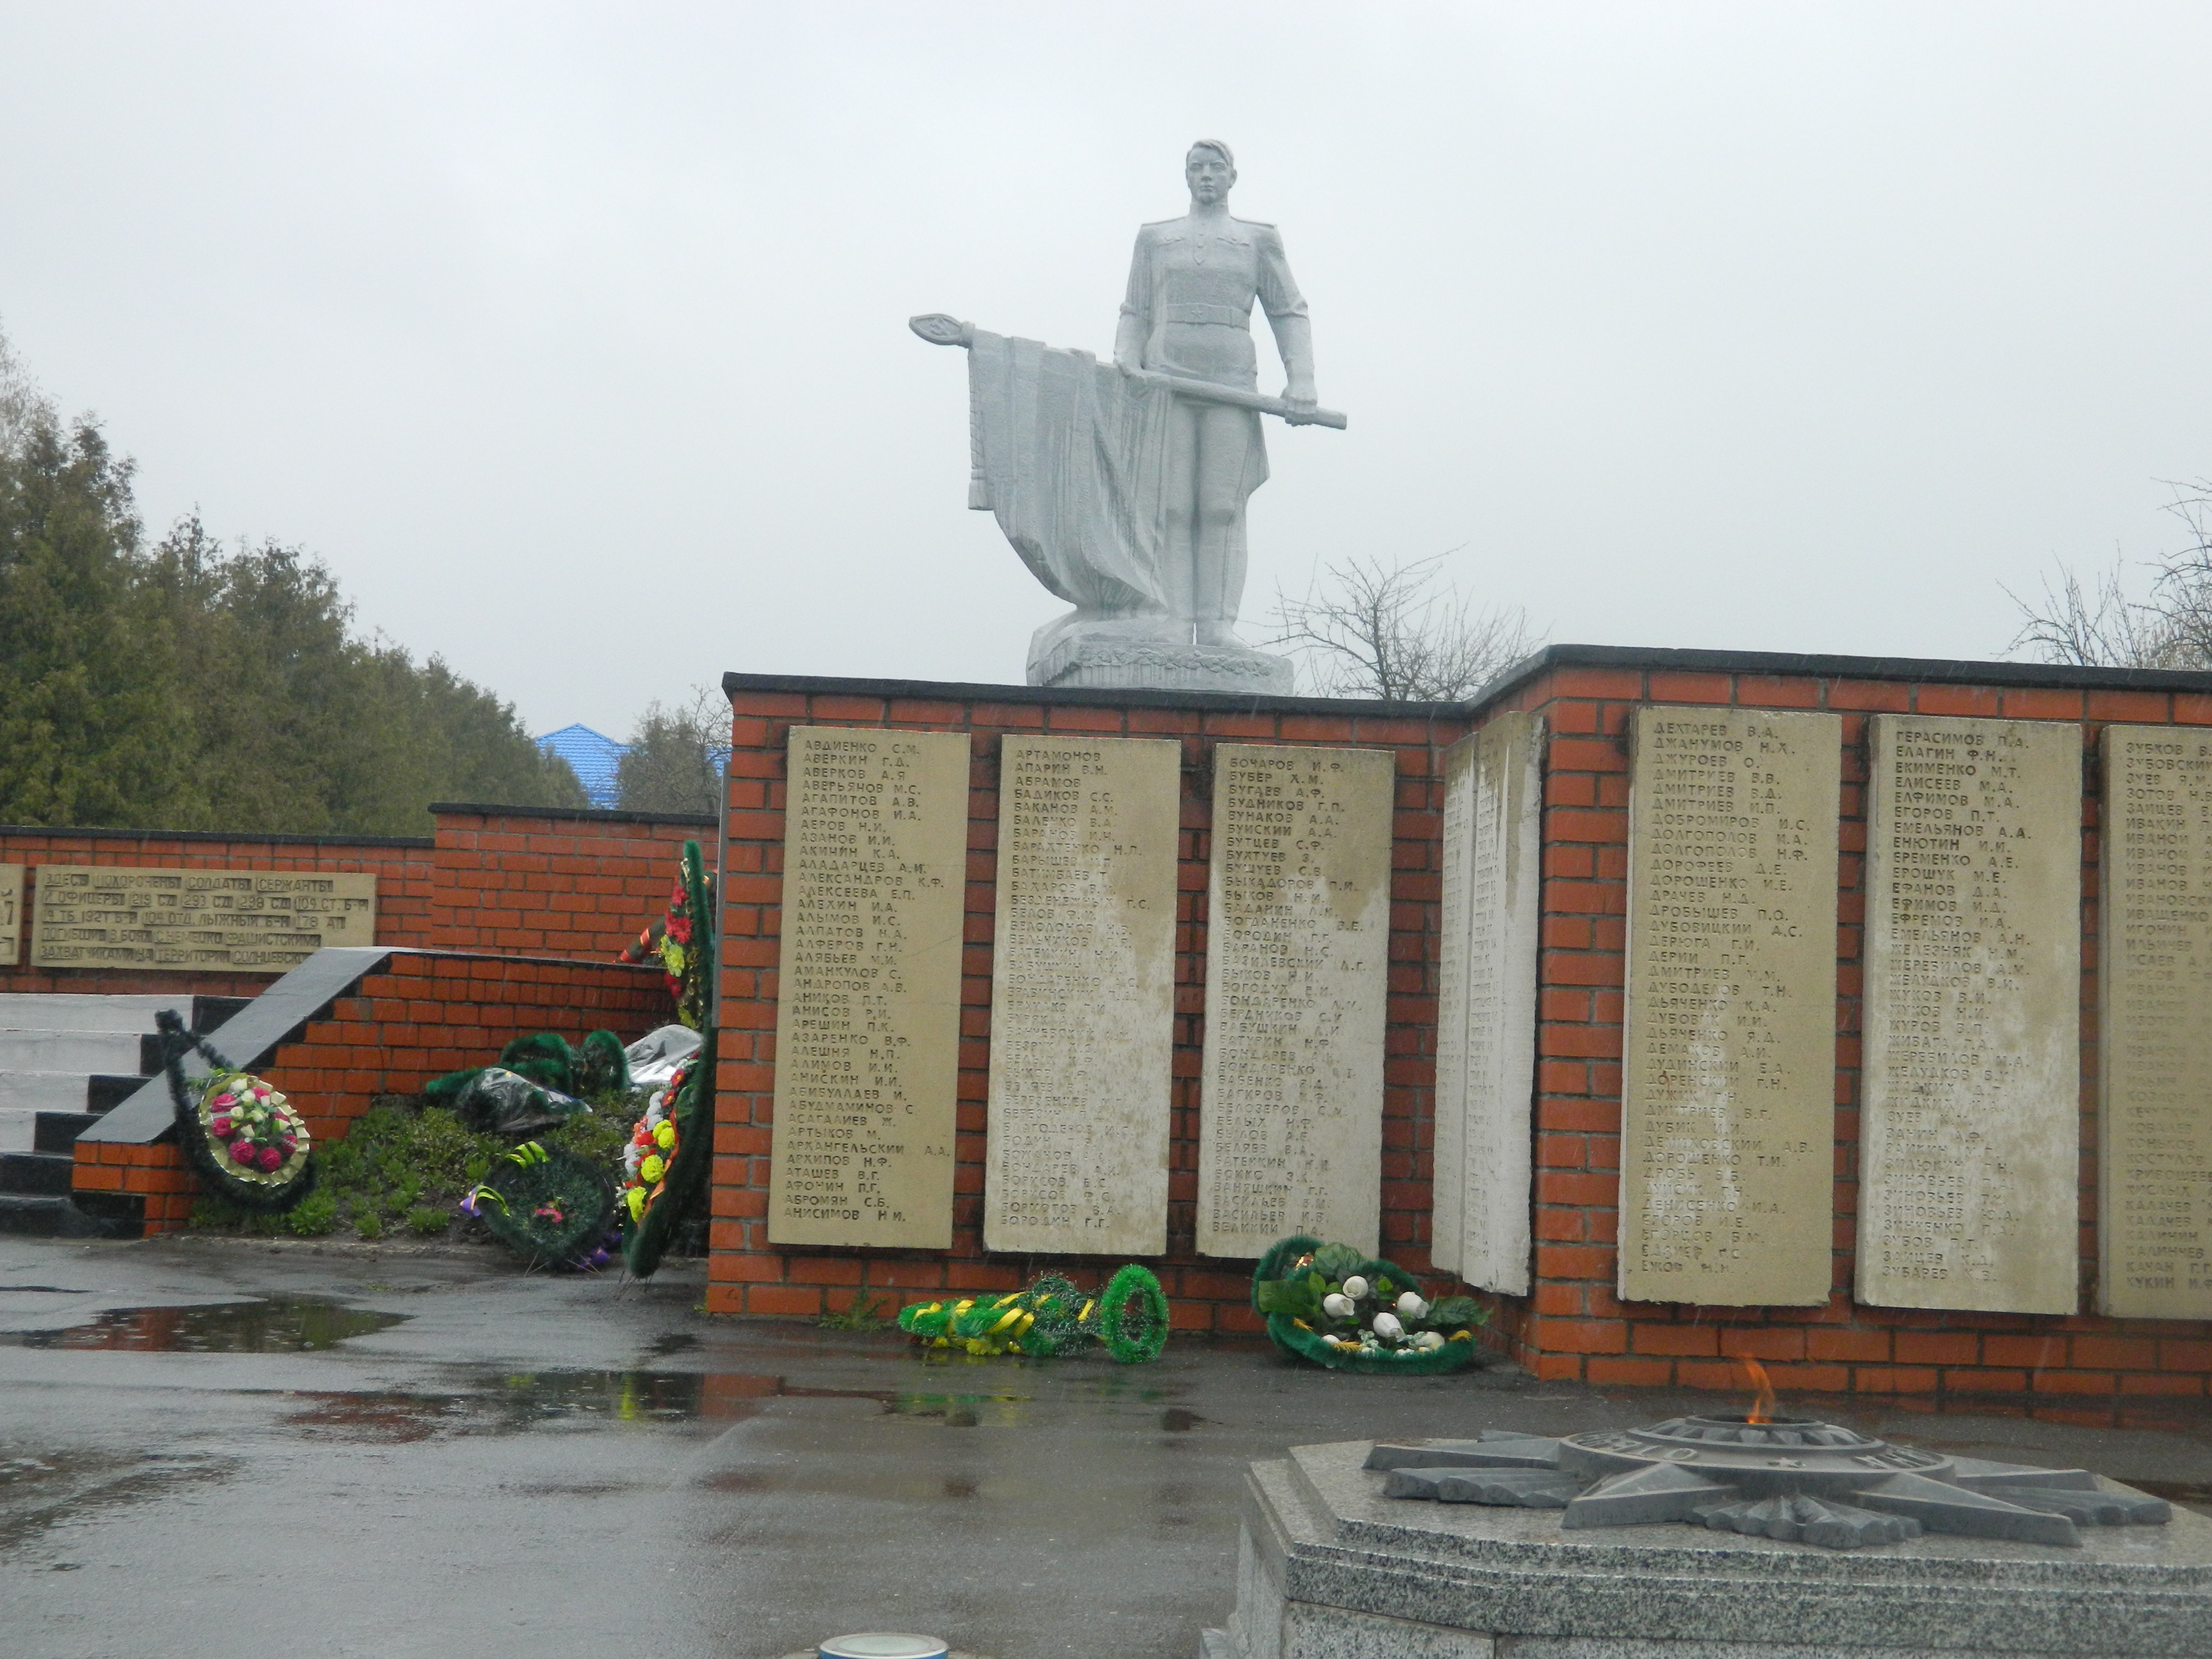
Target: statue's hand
x,y
1300,401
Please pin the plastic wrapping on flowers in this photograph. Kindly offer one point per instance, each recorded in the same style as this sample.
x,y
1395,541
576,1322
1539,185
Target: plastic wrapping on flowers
x,y
1330,1304
652,1150
1128,1319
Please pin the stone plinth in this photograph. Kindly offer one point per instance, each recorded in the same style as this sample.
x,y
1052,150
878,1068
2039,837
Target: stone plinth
x,y
1296,988
1728,1113
867,1031
1082,996
1329,1568
1142,654
1971,1078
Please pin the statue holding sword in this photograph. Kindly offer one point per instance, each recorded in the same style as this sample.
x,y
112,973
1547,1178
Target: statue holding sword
x,y
1123,486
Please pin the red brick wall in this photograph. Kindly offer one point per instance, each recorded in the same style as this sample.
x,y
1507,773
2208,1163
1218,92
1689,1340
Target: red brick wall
x,y
402,869
552,884
748,1275
1573,1326
420,1016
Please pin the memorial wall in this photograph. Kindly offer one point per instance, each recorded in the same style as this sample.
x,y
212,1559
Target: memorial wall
x,y
868,1011
116,916
11,914
1493,916
1296,978
1083,995
1972,1122
1728,1106
2155,974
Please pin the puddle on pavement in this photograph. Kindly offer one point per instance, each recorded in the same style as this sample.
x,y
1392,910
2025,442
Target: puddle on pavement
x,y
282,1325
40,1493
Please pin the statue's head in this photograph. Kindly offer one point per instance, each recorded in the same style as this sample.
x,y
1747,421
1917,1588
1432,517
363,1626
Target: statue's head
x,y
1210,169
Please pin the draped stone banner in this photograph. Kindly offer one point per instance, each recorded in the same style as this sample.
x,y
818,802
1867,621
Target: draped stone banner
x,y
1971,1082
2155,981
1297,986
1487,1002
1728,1109
867,1031
1083,995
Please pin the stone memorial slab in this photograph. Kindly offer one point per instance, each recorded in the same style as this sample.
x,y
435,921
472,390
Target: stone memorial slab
x,y
11,914
1082,996
1728,1110
255,921
1970,1122
867,1033
1296,988
1487,1002
2155,981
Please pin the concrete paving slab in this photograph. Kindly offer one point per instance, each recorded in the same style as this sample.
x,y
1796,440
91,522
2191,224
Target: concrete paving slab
x,y
531,1464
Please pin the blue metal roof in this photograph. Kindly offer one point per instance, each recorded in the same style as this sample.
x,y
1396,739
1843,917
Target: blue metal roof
x,y
593,756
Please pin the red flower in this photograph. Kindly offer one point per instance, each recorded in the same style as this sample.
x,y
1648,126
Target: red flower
x,y
270,1160
241,1150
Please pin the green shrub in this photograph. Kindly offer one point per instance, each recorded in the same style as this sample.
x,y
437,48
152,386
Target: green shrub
x,y
425,1220
369,1226
313,1216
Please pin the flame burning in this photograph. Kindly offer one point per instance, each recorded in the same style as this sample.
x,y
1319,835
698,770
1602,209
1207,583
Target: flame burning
x,y
1762,1408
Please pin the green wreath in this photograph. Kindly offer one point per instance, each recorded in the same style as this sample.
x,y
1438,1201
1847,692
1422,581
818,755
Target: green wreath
x,y
1298,1275
552,1207
1128,1319
248,1145
646,1237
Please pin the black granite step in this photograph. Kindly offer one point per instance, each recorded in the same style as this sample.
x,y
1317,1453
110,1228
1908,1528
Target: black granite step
x,y
104,1091
35,1172
45,1216
209,1013
56,1132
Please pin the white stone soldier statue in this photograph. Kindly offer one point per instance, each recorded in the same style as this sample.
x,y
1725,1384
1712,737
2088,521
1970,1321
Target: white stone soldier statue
x,y
1123,486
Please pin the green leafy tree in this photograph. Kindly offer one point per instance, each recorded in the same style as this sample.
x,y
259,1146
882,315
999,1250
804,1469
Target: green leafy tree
x,y
189,686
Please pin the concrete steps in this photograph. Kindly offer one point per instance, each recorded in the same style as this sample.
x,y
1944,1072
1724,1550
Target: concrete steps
x,y
65,1060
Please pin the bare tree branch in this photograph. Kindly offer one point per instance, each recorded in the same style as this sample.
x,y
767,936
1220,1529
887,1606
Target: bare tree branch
x,y
1364,628
2104,628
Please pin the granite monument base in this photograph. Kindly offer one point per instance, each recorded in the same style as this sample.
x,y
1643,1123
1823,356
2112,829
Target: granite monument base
x,y
1331,1568
1150,653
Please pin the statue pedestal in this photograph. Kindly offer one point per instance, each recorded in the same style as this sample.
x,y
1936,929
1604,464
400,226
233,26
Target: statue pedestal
x,y
1139,654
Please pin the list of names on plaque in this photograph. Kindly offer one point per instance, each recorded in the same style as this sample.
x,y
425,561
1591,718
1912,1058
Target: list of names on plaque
x,y
252,921
1083,995
1487,1002
1728,1110
867,1030
2155,980
1971,1080
1297,986
11,914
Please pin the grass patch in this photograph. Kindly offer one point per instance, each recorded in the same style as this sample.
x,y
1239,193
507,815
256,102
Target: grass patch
x,y
405,1167
866,1313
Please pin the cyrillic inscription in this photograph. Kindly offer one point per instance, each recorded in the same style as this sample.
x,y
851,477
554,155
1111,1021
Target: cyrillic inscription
x,y
1970,1081
1727,1111
867,1026
254,921
2154,978
11,914
1297,983
1487,1002
1083,995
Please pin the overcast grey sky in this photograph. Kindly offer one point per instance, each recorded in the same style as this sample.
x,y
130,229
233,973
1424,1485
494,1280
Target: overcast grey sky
x,y
574,337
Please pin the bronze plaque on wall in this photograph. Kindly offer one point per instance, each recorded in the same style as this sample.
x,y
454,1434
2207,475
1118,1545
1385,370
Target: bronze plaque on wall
x,y
258,921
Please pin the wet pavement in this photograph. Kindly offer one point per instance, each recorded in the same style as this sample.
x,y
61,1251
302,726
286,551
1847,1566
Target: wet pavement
x,y
233,1449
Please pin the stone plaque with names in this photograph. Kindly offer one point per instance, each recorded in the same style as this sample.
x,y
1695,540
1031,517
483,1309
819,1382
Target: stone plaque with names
x,y
1296,988
1970,1081
255,921
1728,1110
1083,995
2154,982
867,1030
1487,1002
11,914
